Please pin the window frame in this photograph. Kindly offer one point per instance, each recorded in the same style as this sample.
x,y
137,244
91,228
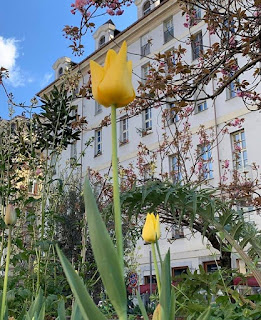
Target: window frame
x,y
207,171
178,268
175,173
144,75
243,151
124,130
98,108
101,43
145,45
168,33
147,10
194,46
97,143
207,263
205,106
147,118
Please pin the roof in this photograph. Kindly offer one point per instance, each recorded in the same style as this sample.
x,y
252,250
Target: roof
x,y
109,21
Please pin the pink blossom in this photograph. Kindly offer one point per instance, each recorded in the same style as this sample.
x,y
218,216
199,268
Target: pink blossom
x,y
186,25
226,164
110,12
232,41
240,94
200,165
237,148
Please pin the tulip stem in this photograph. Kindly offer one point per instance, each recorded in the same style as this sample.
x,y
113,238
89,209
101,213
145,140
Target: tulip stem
x,y
156,266
116,189
3,306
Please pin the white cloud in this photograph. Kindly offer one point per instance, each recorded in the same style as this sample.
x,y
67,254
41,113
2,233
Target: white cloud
x,y
8,59
46,79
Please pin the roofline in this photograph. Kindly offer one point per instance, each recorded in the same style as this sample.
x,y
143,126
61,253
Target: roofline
x,y
107,43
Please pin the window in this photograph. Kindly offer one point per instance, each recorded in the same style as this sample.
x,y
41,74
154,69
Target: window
x,y
146,8
101,41
177,271
98,142
177,232
210,266
172,115
147,279
73,156
145,72
175,171
170,60
168,30
202,106
98,108
124,131
147,120
239,150
231,90
60,71
145,45
196,45
205,164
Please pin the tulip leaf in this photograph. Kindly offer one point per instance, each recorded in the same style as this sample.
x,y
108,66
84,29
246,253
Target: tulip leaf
x,y
165,296
142,308
173,304
105,254
88,308
205,315
76,312
61,310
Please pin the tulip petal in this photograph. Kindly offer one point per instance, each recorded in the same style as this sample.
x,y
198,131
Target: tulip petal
x,y
109,60
97,73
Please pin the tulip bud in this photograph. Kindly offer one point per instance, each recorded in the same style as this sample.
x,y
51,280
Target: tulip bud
x,y
151,229
10,215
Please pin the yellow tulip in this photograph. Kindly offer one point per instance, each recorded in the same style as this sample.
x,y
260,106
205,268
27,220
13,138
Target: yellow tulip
x,y
10,215
151,229
112,84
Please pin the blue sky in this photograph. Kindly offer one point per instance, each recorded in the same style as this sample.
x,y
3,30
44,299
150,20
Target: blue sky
x,y
31,40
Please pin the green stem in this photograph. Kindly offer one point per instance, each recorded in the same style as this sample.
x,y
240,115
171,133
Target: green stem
x,y
156,266
3,307
116,189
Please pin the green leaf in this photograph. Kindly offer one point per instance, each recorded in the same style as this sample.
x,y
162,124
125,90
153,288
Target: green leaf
x,y
88,308
61,310
165,296
36,307
173,304
142,308
76,312
205,315
105,254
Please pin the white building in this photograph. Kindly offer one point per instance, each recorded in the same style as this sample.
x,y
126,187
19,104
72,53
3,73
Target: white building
x,y
163,25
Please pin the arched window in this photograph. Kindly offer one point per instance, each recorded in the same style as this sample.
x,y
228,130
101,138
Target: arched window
x,y
60,71
101,41
146,8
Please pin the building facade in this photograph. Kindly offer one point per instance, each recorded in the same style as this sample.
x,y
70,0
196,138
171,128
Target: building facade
x,y
160,28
